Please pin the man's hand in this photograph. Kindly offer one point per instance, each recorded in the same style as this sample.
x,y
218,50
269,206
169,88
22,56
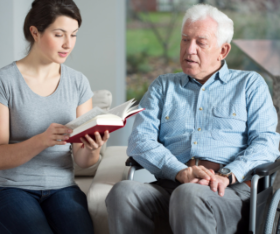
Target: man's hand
x,y
220,184
196,174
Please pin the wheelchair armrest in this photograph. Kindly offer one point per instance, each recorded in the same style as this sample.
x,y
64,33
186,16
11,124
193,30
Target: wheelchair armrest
x,y
130,162
267,168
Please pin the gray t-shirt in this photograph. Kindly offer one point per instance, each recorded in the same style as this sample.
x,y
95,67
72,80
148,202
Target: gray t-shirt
x,y
31,114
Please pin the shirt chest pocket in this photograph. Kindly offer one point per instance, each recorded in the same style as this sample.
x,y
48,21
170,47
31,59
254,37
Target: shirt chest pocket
x,y
233,117
176,120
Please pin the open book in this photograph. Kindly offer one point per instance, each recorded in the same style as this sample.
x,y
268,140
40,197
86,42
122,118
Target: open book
x,y
99,120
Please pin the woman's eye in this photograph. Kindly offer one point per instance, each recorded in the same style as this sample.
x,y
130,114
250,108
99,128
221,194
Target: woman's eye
x,y
58,35
73,35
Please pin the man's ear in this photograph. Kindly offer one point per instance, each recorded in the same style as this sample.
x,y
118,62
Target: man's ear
x,y
225,49
34,32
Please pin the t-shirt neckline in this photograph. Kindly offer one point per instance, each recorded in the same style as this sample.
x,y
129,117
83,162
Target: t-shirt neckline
x,y
31,91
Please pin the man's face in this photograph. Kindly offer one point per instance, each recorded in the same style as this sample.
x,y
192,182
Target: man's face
x,y
200,55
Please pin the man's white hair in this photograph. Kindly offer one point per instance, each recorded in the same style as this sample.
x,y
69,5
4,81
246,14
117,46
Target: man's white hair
x,y
225,24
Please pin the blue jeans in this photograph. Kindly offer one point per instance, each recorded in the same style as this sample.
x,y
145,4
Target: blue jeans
x,y
62,211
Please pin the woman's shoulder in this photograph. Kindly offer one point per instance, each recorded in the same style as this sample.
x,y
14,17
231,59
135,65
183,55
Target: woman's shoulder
x,y
70,72
8,69
8,72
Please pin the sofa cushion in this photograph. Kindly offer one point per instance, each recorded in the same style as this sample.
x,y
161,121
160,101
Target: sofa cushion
x,y
102,99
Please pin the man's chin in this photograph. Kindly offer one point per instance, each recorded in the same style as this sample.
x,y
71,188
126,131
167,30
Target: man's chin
x,y
190,72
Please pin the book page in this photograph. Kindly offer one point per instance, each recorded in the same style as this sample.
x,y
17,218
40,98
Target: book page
x,y
86,117
122,109
133,110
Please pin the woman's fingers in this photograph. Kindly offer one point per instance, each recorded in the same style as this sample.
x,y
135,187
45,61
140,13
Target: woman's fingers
x,y
106,136
98,139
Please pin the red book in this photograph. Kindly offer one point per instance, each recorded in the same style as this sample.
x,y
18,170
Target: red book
x,y
98,120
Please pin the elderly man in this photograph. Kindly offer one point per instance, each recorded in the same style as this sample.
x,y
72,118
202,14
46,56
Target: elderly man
x,y
202,133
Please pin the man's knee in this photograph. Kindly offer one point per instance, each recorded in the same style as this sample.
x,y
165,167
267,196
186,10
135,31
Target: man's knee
x,y
120,192
189,195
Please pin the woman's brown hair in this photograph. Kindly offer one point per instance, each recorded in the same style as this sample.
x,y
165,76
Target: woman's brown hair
x,y
44,12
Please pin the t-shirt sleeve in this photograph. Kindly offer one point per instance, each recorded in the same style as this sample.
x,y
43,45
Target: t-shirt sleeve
x,y
85,92
4,92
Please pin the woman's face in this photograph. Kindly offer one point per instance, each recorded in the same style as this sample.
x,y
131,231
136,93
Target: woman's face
x,y
58,40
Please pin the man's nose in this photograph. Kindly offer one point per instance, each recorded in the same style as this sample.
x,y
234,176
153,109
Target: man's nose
x,y
191,48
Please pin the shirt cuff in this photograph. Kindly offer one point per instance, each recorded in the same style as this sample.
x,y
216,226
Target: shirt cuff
x,y
171,170
237,169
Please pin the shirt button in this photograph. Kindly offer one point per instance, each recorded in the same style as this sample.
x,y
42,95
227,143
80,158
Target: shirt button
x,y
203,89
199,129
200,108
234,114
243,177
167,117
195,142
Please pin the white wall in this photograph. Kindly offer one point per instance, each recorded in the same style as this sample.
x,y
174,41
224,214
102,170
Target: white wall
x,y
99,52
12,43
100,48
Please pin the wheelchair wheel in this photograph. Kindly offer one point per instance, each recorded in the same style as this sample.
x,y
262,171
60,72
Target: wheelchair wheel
x,y
272,225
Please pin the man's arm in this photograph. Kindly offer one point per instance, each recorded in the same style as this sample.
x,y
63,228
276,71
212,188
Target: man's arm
x,y
143,143
263,140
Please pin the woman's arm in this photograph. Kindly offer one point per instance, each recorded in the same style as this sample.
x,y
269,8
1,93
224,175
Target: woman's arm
x,y
13,155
89,154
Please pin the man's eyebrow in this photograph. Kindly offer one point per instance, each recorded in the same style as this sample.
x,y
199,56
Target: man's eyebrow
x,y
203,37
200,37
64,30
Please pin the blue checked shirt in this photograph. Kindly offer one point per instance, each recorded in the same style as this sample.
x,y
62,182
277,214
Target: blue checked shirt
x,y
229,120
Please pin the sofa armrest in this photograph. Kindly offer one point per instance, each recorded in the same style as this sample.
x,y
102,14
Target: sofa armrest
x,y
111,170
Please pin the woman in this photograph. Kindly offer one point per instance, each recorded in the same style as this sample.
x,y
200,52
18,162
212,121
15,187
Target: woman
x,y
38,96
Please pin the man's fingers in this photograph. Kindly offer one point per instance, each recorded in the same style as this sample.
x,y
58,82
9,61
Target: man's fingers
x,y
194,181
203,173
212,171
214,185
221,189
204,182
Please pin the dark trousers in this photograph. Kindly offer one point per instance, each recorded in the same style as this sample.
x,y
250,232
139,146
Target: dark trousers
x,y
44,212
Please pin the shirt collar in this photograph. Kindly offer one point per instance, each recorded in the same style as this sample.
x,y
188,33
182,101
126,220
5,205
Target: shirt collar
x,y
221,74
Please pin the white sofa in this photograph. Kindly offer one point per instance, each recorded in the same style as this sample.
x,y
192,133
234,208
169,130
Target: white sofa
x,y
97,180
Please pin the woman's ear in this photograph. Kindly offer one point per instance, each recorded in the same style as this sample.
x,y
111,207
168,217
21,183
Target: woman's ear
x,y
34,32
225,49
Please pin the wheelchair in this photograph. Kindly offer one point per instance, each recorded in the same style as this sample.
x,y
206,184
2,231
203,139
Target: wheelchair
x,y
264,202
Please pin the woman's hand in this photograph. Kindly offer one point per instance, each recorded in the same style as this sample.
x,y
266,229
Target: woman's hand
x,y
91,144
56,134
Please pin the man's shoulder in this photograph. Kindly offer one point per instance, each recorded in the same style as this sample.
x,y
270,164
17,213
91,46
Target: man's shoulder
x,y
241,74
248,78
